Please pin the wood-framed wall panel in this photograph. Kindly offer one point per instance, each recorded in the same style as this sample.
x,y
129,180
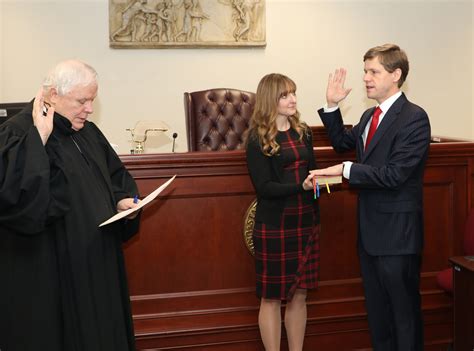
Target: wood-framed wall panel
x,y
191,277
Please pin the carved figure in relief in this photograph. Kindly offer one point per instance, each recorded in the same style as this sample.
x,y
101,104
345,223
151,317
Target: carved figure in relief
x,y
128,27
197,16
241,19
244,17
152,30
167,19
192,21
186,22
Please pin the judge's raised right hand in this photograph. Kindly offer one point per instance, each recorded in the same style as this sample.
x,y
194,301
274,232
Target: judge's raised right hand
x,y
44,123
336,91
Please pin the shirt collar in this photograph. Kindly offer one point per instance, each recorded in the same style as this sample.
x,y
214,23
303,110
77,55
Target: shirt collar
x,y
384,106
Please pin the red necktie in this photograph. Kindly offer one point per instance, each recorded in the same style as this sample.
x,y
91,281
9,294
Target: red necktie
x,y
373,126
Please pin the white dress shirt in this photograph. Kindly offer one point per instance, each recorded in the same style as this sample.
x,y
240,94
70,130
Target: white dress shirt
x,y
384,106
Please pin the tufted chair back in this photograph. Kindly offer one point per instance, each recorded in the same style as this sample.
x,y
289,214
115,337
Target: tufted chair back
x,y
216,119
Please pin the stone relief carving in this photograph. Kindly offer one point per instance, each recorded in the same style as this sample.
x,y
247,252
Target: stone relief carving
x,y
186,23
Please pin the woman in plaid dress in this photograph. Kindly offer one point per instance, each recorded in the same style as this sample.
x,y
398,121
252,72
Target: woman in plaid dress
x,y
286,232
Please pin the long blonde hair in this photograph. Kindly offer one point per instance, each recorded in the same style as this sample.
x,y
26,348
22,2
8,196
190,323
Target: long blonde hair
x,y
271,88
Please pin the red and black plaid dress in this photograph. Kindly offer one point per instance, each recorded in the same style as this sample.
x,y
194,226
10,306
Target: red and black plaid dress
x,y
287,257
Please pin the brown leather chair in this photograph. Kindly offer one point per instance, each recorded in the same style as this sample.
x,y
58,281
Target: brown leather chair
x,y
216,119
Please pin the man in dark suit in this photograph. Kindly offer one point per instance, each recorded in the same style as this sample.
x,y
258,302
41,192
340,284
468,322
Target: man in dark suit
x,y
388,172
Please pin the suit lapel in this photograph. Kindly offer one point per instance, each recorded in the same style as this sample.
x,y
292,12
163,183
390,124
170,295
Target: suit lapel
x,y
363,124
387,121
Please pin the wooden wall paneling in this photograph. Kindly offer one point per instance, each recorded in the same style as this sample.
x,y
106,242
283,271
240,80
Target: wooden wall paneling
x,y
320,137
191,276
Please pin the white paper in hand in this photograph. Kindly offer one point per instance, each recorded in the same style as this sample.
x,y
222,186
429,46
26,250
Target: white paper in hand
x,y
142,203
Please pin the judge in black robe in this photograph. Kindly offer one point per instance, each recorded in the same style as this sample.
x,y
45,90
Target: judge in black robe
x,y
63,283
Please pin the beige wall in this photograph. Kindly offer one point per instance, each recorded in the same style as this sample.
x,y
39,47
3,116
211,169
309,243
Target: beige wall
x,y
305,40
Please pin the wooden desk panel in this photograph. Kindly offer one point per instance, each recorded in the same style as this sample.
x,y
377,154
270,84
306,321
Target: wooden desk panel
x,y
463,303
191,276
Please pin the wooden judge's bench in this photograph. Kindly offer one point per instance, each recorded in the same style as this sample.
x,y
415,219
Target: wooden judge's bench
x,y
191,275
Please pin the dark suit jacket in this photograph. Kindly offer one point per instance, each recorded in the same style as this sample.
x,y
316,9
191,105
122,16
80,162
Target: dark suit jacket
x,y
389,175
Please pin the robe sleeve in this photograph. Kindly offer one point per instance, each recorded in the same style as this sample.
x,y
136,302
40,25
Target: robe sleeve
x,y
24,180
123,184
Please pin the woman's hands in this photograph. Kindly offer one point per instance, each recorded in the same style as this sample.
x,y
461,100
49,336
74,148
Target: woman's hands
x,y
308,182
329,171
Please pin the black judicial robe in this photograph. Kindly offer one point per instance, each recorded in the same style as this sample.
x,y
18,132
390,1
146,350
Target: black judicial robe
x,y
63,283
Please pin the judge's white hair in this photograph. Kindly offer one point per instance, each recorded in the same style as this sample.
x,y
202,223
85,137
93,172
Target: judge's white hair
x,y
69,74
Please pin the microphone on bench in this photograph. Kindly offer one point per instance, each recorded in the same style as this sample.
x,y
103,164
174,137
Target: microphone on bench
x,y
175,135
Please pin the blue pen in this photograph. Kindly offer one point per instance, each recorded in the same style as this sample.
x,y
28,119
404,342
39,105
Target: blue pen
x,y
135,199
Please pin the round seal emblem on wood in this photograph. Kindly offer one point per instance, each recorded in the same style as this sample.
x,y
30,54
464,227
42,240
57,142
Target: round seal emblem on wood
x,y
249,222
